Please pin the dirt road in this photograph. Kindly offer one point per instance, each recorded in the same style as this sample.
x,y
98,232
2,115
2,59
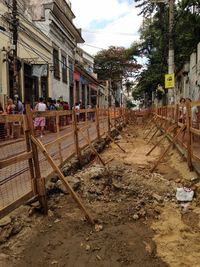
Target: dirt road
x,y
139,222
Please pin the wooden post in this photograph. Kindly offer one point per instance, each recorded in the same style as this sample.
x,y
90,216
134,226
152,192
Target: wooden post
x,y
97,123
62,178
57,131
92,147
39,181
189,135
116,143
109,128
167,149
76,139
171,128
115,122
176,114
28,147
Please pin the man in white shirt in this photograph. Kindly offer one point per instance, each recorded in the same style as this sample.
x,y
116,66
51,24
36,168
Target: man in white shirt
x,y
40,122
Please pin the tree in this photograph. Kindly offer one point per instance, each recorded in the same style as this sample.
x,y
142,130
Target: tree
x,y
154,40
115,64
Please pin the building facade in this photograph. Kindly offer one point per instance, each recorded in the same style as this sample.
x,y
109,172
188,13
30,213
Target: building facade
x,y
188,78
55,19
34,51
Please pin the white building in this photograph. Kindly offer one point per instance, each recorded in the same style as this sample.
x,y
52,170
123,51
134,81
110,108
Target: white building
x,y
55,19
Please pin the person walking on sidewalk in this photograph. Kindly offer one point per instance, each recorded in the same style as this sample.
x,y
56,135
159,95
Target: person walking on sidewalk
x,y
40,122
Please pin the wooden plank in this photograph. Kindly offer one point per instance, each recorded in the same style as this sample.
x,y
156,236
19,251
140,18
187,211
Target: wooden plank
x,y
11,118
196,103
195,131
189,139
12,142
97,123
116,143
6,210
195,157
167,149
92,147
171,128
10,161
51,113
62,178
42,198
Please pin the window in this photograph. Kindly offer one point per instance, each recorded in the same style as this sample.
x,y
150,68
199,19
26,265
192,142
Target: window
x,y
64,69
71,72
56,64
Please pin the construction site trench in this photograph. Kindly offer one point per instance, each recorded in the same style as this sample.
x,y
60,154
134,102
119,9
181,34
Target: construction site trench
x,y
138,220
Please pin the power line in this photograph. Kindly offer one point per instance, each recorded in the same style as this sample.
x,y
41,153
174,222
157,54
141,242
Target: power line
x,y
110,33
93,46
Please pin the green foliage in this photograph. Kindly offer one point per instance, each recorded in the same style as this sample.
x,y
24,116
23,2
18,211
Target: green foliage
x,y
130,104
154,40
115,63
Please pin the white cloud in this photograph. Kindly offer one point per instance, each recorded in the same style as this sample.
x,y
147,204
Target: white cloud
x,y
106,23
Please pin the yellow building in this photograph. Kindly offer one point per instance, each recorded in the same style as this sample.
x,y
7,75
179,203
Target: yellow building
x,y
34,52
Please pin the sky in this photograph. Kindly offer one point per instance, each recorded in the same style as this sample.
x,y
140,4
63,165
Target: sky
x,y
106,22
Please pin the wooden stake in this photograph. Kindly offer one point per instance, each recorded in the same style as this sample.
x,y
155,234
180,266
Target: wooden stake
x,y
189,135
92,147
121,134
167,132
62,178
150,129
158,129
76,139
167,149
116,143
42,197
97,123
57,133
109,130
28,147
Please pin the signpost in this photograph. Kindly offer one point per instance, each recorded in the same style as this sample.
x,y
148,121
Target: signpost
x,y
169,81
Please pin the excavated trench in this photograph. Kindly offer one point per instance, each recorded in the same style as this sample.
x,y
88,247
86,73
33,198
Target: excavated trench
x,y
138,219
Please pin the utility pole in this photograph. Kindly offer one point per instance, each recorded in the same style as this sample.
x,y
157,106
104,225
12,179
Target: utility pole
x,y
171,92
15,24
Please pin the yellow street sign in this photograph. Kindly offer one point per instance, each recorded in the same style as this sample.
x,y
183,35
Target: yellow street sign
x,y
169,80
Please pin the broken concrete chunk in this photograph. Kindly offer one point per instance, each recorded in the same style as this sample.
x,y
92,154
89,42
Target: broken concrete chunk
x,y
157,197
98,227
5,221
135,217
74,182
59,185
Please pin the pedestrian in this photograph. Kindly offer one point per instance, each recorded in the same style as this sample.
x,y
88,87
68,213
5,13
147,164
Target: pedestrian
x,y
19,107
51,105
10,110
77,108
182,110
2,125
40,122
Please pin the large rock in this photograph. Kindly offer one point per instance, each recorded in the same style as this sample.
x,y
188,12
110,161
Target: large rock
x,y
95,172
74,182
5,221
59,185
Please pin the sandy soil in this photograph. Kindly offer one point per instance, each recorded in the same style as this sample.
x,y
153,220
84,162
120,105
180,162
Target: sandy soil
x,y
139,222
